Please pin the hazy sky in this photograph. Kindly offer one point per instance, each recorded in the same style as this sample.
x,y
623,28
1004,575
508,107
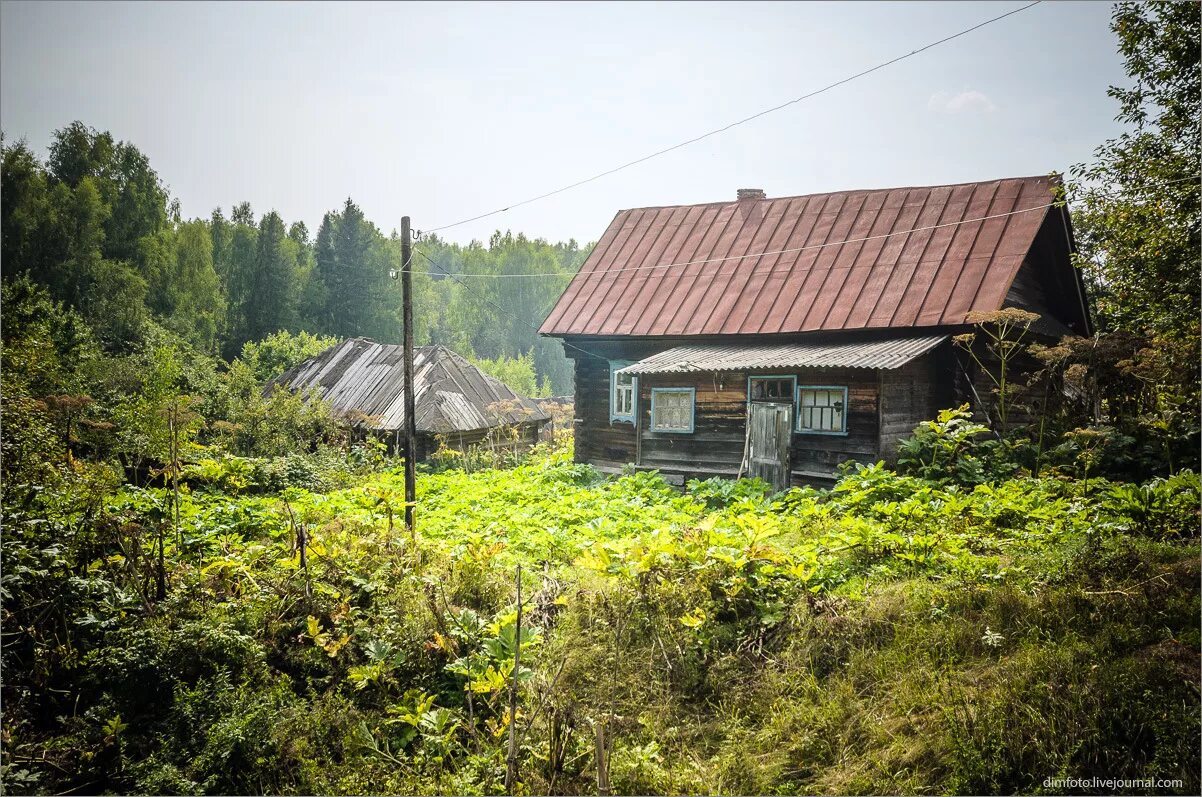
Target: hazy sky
x,y
446,110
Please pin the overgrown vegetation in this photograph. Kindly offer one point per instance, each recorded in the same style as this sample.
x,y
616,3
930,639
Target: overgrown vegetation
x,y
892,634
207,585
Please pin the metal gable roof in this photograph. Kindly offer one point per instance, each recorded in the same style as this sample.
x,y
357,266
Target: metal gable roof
x,y
900,277
365,381
872,354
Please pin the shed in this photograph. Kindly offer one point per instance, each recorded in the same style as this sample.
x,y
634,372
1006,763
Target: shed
x,y
455,402
782,337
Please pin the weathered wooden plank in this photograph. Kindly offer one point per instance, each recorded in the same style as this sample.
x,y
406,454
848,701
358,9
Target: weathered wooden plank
x,y
715,447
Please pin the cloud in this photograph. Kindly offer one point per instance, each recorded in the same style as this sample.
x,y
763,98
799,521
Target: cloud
x,y
966,101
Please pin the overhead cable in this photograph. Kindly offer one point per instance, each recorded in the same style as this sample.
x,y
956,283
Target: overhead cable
x,y
482,275
732,125
496,306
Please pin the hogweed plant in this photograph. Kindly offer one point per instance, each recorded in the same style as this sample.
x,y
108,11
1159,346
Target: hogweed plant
x,y
1003,332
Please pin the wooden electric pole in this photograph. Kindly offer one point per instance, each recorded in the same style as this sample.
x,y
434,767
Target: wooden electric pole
x,y
410,419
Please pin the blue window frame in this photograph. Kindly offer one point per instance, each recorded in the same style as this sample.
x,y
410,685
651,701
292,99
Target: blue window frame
x,y
623,393
822,409
672,409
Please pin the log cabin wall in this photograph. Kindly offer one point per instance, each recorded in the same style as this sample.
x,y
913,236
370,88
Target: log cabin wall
x,y
907,396
598,442
816,457
912,394
715,446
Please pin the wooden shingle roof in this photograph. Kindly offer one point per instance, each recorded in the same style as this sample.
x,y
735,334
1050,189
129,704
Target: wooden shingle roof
x,y
365,381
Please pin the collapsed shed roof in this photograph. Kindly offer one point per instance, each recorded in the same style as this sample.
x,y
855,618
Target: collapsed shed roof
x,y
877,259
886,354
364,381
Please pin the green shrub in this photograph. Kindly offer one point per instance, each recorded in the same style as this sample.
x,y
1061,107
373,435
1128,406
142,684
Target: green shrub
x,y
718,493
1159,508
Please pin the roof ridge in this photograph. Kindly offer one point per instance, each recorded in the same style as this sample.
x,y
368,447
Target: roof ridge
x,y
1049,177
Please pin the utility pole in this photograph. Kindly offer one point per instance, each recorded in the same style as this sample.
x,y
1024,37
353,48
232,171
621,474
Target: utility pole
x,y
410,419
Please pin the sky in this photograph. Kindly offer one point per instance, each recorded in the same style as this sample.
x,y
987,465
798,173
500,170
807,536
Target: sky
x,y
443,111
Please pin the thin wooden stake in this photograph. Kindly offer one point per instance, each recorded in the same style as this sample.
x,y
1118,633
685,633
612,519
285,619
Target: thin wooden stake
x,y
302,541
602,760
161,580
173,433
511,759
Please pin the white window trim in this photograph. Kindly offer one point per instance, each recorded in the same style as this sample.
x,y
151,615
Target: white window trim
x,y
614,416
797,399
692,409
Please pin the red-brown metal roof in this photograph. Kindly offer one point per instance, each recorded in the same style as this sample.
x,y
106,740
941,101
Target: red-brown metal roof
x,y
833,279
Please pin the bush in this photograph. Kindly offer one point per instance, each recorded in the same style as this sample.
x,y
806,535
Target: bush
x,y
279,473
946,450
1162,508
718,493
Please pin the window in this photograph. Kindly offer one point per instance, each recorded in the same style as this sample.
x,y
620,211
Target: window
x,y
672,409
623,388
822,409
771,388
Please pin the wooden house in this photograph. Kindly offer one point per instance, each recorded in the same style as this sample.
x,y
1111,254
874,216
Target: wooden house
x,y
456,404
782,337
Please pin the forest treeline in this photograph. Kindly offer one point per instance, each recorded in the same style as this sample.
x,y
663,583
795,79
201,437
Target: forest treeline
x,y
95,224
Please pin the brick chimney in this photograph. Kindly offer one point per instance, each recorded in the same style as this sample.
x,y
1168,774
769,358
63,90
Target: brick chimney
x,y
751,193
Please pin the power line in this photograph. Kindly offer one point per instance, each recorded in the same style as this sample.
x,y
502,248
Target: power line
x,y
481,275
732,125
496,306
768,275
764,254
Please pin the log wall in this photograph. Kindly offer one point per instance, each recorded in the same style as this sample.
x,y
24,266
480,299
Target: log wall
x,y
912,394
883,407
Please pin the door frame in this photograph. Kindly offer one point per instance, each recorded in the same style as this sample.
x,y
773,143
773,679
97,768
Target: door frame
x,y
787,459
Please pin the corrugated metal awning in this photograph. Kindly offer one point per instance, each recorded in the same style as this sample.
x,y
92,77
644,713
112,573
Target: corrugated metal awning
x,y
892,353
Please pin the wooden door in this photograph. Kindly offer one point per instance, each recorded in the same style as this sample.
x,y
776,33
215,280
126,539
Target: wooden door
x,y
769,436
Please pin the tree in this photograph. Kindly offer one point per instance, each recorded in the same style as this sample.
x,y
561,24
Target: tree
x,y
352,287
220,233
139,204
131,190
315,302
239,277
275,287
26,213
1138,218
349,292
276,353
79,151
81,215
157,256
116,305
199,308
516,372
87,225
46,345
1140,239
